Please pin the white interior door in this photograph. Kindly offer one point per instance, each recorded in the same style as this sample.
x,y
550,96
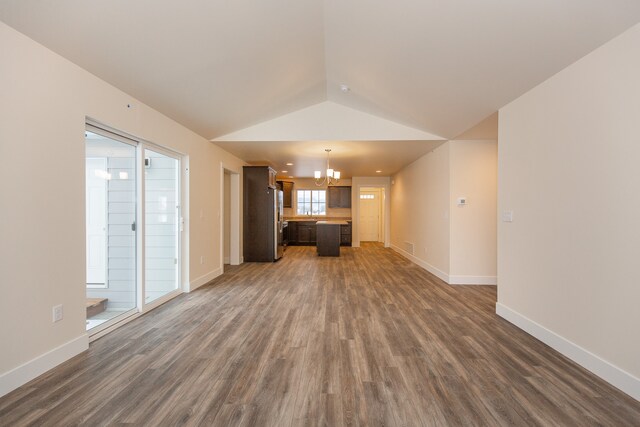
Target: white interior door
x,y
369,215
96,169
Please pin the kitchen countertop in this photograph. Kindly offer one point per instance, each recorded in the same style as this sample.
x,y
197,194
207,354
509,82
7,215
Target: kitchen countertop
x,y
335,222
298,219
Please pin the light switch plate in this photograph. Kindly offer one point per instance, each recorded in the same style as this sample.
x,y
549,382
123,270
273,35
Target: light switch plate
x,y
507,216
57,313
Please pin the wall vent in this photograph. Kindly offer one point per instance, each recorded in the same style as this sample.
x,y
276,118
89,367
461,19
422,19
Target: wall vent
x,y
408,247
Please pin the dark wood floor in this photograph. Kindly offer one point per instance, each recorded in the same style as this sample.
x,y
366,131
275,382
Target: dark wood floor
x,y
365,339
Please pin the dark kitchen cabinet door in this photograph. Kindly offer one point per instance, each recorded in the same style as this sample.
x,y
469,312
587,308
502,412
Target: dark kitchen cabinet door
x,y
306,233
287,192
345,239
292,230
339,197
345,235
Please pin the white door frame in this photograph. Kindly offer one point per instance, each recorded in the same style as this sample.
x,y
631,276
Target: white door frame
x,y
234,216
383,183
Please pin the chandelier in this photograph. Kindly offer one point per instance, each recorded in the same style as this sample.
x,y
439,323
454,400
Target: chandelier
x,y
332,177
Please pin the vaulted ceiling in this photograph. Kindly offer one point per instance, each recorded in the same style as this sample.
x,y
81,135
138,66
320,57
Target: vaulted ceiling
x,y
218,66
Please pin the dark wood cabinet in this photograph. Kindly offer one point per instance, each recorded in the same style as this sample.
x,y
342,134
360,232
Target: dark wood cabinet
x,y
292,232
259,212
328,239
287,193
306,232
302,232
339,197
345,235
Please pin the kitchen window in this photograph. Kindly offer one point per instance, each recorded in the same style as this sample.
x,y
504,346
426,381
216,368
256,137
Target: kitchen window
x,y
311,202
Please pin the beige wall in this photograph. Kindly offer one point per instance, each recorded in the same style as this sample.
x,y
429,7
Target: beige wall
x,y
456,243
569,170
420,210
474,175
45,100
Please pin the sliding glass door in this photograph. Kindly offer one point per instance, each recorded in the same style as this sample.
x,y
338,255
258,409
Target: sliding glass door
x,y
110,227
133,226
162,218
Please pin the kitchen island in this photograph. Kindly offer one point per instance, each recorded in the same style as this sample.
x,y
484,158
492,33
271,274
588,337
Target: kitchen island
x,y
328,237
301,231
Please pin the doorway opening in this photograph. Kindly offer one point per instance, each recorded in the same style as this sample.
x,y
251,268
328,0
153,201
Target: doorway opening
x,y
230,218
371,214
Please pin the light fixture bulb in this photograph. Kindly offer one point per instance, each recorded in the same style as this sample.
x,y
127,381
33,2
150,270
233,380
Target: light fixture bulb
x,y
332,176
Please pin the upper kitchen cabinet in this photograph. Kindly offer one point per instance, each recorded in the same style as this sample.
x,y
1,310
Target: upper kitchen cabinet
x,y
287,190
339,197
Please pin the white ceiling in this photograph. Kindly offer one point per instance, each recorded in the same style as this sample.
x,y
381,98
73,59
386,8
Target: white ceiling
x,y
351,158
361,143
218,66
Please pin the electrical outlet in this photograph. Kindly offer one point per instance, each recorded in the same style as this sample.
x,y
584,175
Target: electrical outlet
x,y
202,260
57,313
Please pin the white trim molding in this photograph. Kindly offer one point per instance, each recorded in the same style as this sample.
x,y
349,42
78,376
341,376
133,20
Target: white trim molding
x,y
203,280
431,269
21,375
473,280
605,370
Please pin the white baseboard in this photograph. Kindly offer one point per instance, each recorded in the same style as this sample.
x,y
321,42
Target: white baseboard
x,y
203,280
605,370
431,269
473,280
21,375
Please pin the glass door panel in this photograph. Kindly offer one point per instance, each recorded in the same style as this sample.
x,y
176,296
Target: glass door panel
x,y
111,289
161,224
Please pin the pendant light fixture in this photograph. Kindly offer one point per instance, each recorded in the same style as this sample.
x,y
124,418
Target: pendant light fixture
x,y
331,177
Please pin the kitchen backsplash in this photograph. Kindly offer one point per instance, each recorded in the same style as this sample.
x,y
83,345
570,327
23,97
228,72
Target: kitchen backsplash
x,y
331,213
